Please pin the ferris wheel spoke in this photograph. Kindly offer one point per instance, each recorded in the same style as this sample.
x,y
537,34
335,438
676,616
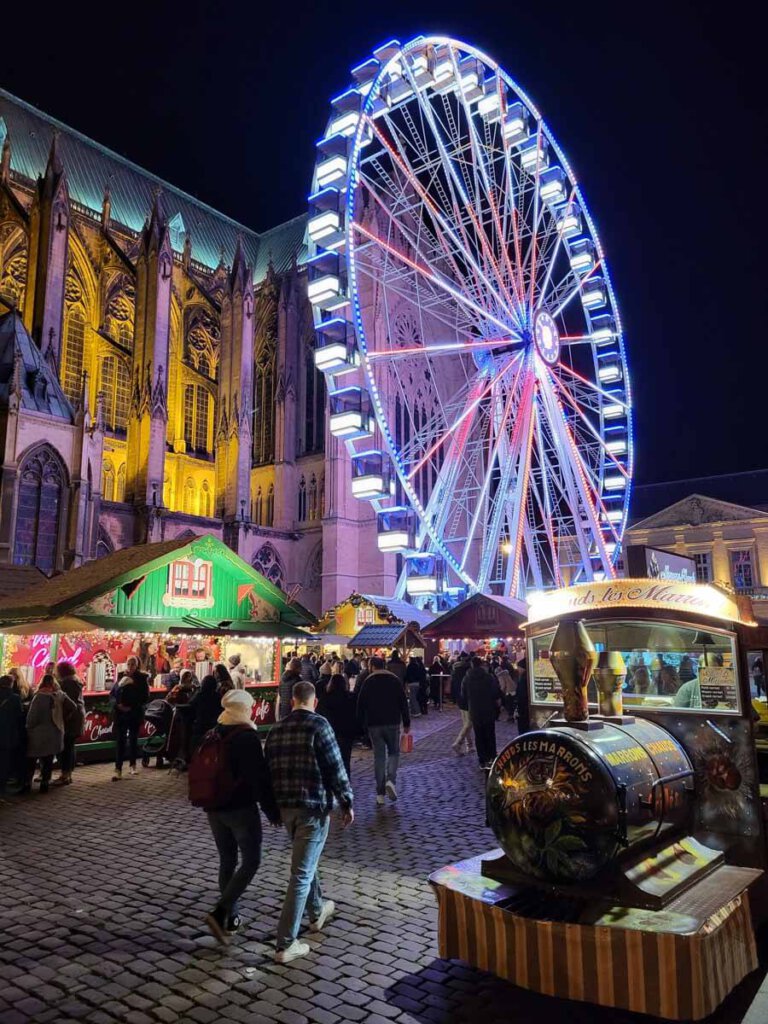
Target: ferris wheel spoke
x,y
442,217
591,385
443,348
552,257
430,275
566,393
483,390
577,470
481,164
509,413
461,196
481,286
515,466
574,291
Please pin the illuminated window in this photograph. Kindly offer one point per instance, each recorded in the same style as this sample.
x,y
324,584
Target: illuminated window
x,y
312,498
115,384
741,570
197,407
74,353
108,487
270,516
703,560
189,583
189,497
120,489
264,412
206,500
258,508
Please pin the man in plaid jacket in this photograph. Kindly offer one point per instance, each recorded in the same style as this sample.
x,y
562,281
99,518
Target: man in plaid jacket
x,y
307,773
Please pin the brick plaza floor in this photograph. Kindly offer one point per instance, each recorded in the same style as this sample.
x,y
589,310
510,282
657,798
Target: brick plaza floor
x,y
103,887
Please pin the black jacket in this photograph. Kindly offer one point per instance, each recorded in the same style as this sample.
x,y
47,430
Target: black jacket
x,y
11,719
339,709
382,701
482,693
133,693
250,771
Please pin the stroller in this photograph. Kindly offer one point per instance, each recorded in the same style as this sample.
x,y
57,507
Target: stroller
x,y
159,714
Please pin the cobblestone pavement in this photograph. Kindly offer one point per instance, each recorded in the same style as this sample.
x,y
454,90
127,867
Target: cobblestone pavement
x,y
104,886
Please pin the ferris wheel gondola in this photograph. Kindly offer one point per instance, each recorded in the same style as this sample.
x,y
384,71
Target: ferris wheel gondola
x,y
468,327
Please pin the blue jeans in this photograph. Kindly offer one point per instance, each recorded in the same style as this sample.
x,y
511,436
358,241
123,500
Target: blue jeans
x,y
385,740
308,835
233,831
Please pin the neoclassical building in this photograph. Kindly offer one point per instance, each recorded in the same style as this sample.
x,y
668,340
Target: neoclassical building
x,y
157,378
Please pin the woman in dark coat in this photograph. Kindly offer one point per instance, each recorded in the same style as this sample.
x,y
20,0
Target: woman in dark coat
x,y
11,729
339,707
74,718
204,709
290,677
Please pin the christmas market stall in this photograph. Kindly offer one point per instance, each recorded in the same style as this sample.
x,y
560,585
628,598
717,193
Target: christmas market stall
x,y
339,626
631,868
184,603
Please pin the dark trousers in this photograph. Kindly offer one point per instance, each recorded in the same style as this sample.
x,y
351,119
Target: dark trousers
x,y
345,746
485,741
126,732
236,831
67,755
6,760
46,768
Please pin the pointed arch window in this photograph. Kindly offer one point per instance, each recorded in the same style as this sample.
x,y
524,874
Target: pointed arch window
x,y
206,500
312,498
302,510
197,415
189,497
109,482
258,508
120,486
269,518
314,407
74,354
264,412
39,509
115,385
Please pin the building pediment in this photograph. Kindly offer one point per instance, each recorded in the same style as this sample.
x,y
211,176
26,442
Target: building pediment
x,y
697,510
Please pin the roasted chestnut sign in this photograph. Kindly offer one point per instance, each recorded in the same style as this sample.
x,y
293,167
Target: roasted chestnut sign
x,y
564,803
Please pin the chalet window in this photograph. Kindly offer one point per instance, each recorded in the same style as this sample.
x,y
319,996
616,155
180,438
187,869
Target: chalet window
x,y
189,584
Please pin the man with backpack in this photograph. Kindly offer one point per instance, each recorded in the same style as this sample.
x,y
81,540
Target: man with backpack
x,y
229,779
307,772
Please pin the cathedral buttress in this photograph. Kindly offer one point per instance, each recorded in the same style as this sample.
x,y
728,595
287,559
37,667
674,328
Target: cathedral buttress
x,y
48,245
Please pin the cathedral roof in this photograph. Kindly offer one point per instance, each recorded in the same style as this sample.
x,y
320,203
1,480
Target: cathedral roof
x,y
91,169
23,366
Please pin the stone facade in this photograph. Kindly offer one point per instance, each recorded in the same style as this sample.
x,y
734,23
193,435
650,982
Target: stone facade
x,y
729,542
156,376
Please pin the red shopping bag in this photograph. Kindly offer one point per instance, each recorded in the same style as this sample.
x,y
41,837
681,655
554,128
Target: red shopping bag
x,y
406,743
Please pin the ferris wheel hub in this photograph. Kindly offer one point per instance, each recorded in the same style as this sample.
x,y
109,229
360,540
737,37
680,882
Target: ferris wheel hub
x,y
546,337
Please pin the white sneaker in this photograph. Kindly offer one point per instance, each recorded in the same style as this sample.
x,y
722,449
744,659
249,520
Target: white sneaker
x,y
380,799
293,952
391,790
133,770
329,909
117,775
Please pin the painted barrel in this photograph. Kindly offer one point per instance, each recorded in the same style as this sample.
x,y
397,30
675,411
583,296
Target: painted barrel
x,y
565,802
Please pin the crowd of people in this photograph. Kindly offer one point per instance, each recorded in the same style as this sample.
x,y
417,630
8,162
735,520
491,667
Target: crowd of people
x,y
324,707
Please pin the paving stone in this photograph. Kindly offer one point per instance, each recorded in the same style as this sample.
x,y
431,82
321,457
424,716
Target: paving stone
x,y
142,956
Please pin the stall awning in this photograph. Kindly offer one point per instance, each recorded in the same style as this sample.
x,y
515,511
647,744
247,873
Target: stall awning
x,y
387,636
478,618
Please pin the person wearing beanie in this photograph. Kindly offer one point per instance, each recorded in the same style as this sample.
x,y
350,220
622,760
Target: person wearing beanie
x,y
236,826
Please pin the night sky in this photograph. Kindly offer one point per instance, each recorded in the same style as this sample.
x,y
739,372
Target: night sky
x,y
660,107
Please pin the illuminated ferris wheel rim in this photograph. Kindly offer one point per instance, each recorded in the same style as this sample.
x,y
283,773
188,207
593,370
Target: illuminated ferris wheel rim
x,y
536,328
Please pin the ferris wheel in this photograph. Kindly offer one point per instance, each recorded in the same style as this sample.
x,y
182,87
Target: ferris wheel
x,y
467,325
